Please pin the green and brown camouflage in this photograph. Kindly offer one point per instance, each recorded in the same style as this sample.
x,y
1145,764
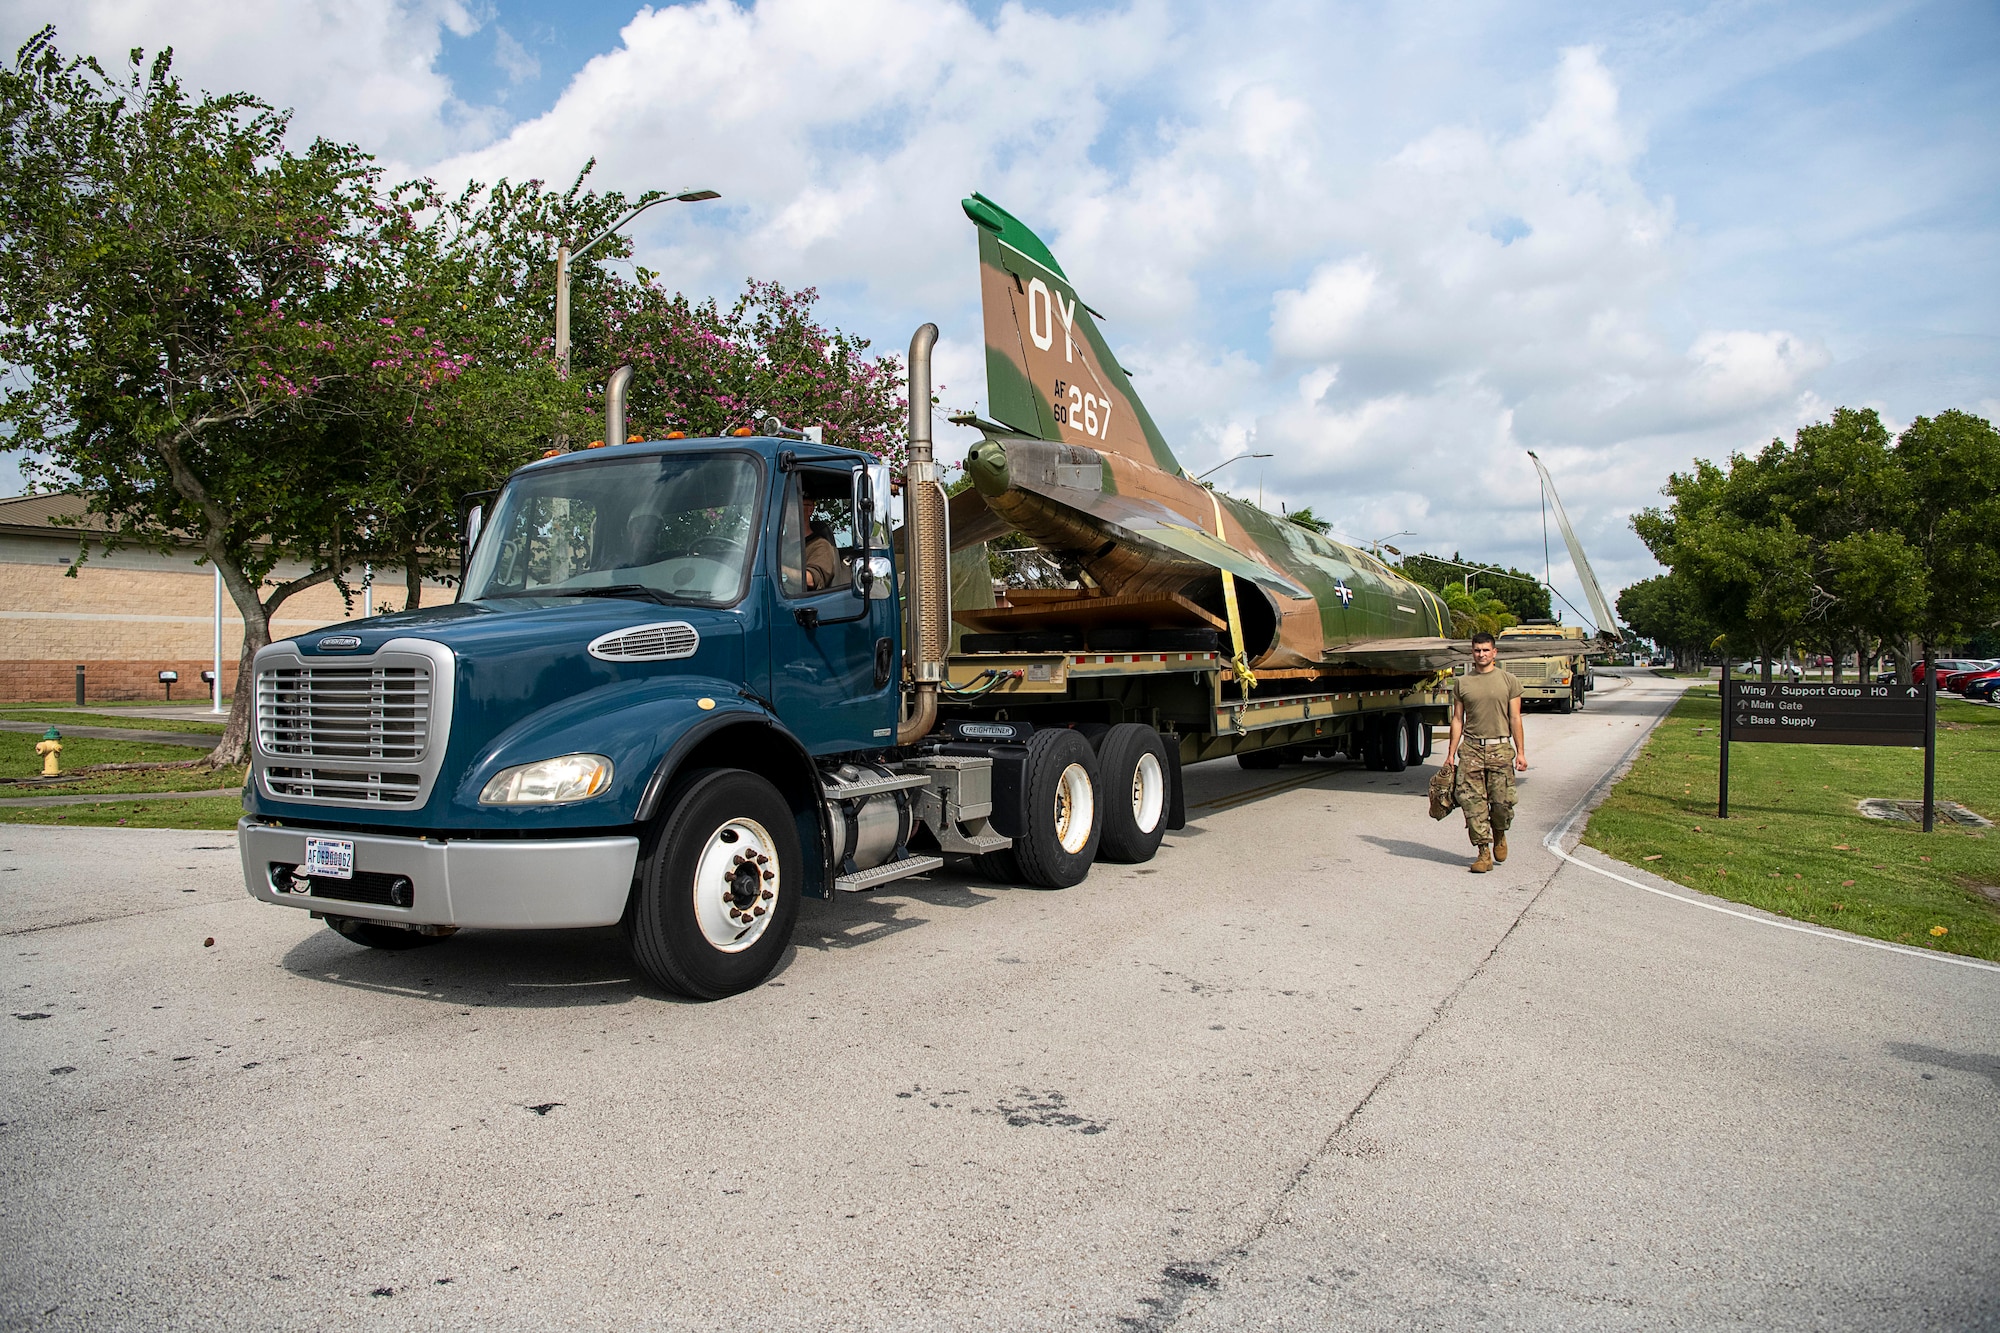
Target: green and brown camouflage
x,y
1075,462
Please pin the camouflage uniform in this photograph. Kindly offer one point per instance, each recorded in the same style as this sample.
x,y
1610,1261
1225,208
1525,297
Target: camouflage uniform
x,y
1486,790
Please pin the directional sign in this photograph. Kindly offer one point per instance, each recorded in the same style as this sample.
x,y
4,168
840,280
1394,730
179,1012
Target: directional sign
x,y
1864,713
1858,714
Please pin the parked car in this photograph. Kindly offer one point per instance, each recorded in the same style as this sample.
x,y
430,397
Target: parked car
x,y
1953,675
1967,679
1985,689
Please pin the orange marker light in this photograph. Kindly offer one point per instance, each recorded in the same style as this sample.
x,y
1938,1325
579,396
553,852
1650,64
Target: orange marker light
x,y
677,435
595,444
635,439
740,432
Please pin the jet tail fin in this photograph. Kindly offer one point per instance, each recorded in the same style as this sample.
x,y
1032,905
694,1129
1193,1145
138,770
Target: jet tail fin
x,y
1049,372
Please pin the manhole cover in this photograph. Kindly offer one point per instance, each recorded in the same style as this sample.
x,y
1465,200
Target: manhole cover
x,y
1912,812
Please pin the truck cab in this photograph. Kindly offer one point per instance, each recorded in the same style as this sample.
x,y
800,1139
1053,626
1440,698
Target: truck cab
x,y
628,615
1564,677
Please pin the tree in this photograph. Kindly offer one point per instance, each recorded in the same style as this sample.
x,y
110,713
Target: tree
x,y
1524,595
188,301
1952,465
1881,586
1662,609
704,370
1311,522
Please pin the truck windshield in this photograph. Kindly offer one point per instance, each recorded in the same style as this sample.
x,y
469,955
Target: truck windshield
x,y
674,527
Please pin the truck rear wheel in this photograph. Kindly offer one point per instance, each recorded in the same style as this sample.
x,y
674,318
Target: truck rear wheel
x,y
718,897
1133,760
1062,816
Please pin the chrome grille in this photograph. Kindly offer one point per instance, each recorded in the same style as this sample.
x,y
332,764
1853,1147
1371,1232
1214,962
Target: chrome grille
x,y
344,712
340,784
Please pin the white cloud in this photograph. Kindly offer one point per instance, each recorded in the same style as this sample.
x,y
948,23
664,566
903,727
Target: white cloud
x,y
1391,252
363,71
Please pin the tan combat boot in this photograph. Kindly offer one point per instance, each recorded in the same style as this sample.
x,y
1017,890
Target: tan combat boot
x,y
1485,861
1500,848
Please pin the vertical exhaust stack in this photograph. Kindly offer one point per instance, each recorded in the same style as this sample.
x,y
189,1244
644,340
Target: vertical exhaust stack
x,y
614,404
930,560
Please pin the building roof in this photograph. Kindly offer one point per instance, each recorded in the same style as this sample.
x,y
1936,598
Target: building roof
x,y
53,514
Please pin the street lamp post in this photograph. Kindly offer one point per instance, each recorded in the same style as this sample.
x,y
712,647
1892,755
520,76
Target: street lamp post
x,y
1226,462
1381,544
564,258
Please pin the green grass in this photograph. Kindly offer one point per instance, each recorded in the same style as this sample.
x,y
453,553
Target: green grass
x,y
1796,845
60,719
140,783
196,812
19,760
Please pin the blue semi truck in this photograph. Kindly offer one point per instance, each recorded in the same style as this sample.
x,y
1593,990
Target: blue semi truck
x,y
652,705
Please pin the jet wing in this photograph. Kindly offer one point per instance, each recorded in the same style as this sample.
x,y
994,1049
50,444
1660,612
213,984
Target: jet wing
x,y
972,521
1130,520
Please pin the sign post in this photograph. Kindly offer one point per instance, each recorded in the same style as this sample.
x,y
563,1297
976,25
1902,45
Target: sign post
x,y
1860,714
1722,804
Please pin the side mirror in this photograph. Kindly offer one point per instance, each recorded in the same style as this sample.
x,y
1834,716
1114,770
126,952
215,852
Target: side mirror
x,y
871,507
872,574
475,519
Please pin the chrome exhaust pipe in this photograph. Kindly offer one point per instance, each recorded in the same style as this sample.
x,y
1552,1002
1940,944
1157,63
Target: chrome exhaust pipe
x,y
614,404
927,543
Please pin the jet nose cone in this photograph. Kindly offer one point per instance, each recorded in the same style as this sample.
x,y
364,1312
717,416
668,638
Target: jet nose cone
x,y
986,462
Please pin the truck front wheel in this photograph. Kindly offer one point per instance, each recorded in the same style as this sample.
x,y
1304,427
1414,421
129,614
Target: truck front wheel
x,y
718,897
1134,764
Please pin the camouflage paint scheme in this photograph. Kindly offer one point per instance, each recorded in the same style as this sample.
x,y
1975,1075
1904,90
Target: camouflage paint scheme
x,y
1076,463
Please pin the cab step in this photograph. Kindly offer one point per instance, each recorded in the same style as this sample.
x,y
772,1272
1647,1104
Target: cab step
x,y
883,874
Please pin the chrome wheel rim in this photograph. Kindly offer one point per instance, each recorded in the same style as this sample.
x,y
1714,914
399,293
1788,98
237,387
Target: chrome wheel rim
x,y
736,885
1076,808
1149,792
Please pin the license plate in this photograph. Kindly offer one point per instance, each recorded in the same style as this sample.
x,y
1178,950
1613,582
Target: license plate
x,y
329,858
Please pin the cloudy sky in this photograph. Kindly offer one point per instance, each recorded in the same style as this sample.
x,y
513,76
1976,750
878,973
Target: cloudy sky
x,y
1392,245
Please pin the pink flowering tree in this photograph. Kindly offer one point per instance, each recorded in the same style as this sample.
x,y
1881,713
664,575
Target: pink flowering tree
x,y
707,370
182,300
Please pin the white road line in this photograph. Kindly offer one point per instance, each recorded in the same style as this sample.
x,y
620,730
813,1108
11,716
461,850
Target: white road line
x,y
1553,842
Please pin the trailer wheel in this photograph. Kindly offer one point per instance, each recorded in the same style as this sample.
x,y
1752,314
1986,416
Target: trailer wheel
x,y
1370,744
378,936
718,897
1062,813
1392,734
1418,742
1136,793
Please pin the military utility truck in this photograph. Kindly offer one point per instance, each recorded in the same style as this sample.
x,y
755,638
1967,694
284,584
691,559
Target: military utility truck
x,y
1561,679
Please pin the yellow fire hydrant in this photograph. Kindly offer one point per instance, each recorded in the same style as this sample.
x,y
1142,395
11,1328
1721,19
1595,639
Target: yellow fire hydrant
x,y
49,747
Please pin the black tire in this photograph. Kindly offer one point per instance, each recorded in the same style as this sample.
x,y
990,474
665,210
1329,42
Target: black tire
x,y
729,845
1054,850
1137,793
1415,735
1567,704
375,935
1426,737
1371,744
1395,742
1000,866
1260,759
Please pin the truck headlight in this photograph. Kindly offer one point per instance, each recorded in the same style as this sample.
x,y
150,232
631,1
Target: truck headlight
x,y
573,777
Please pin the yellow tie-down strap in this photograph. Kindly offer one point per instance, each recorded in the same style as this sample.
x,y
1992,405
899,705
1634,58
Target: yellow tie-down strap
x,y
1244,675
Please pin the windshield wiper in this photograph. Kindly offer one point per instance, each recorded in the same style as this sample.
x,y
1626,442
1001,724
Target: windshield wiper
x,y
634,590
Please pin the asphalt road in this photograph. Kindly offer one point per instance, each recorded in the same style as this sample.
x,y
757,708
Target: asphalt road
x,y
1303,1071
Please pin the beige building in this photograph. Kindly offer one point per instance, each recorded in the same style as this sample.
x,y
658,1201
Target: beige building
x,y
130,614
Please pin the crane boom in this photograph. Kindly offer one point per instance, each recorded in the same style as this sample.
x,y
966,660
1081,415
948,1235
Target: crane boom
x,y
1607,619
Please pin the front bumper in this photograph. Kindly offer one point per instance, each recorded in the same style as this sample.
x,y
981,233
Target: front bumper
x,y
491,884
